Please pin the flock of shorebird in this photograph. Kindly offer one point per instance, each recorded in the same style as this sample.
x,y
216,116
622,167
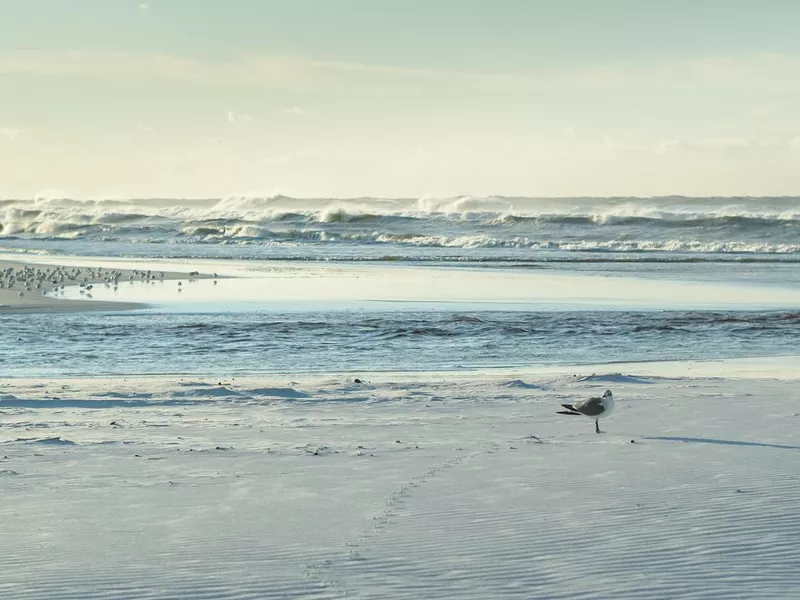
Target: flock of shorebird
x,y
54,280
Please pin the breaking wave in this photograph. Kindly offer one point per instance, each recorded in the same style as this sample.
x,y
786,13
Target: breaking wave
x,y
612,225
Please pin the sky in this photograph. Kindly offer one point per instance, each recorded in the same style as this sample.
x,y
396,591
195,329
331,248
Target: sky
x,y
404,98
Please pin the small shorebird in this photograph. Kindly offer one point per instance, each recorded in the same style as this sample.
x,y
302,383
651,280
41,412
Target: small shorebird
x,y
594,408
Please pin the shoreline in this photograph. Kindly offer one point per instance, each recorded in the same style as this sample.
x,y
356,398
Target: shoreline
x,y
767,367
280,285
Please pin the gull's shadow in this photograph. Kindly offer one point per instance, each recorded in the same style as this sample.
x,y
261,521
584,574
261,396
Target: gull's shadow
x,y
723,442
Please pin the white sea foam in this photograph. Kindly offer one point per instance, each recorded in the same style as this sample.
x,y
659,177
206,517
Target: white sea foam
x,y
670,226
598,208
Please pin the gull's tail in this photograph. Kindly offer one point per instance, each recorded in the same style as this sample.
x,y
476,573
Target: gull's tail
x,y
570,410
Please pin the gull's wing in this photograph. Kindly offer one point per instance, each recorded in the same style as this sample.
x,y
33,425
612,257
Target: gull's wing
x,y
591,407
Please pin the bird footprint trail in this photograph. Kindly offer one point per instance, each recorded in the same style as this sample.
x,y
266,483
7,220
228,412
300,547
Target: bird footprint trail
x,y
328,572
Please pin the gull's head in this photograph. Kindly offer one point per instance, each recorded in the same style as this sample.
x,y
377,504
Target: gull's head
x,y
607,394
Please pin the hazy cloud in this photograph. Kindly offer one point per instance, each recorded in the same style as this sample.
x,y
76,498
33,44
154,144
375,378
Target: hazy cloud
x,y
249,71
760,73
236,117
10,134
631,127
295,110
724,144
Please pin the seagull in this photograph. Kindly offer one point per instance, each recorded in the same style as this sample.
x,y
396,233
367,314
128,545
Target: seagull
x,y
594,408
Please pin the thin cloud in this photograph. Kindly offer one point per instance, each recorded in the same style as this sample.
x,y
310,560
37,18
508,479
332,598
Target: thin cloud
x,y
718,144
729,143
10,134
236,117
765,71
252,71
295,110
144,6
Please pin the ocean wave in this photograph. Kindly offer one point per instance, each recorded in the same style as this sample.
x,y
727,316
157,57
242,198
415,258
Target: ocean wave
x,y
661,218
251,235
570,225
599,209
371,329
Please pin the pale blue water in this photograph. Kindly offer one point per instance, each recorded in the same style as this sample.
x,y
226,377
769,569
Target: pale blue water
x,y
363,342
752,243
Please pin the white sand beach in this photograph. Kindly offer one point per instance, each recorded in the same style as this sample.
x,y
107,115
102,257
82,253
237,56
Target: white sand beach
x,y
402,486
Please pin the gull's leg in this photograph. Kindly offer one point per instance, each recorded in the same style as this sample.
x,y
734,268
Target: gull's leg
x,y
597,426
